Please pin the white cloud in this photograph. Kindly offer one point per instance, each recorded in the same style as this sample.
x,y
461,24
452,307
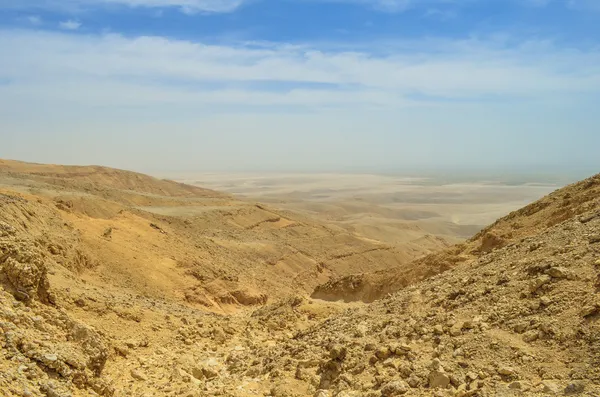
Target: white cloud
x,y
440,14
188,6
158,102
112,69
34,19
392,5
69,25
593,5
225,6
403,5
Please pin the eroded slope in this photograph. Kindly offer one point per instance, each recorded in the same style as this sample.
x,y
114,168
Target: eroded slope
x,y
557,207
164,239
102,303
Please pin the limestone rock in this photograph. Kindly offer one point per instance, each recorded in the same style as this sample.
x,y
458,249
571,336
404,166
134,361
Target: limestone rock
x,y
338,352
550,387
506,371
558,272
394,388
438,379
138,375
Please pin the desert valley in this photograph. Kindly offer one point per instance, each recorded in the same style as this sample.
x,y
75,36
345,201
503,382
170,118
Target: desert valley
x,y
116,283
299,198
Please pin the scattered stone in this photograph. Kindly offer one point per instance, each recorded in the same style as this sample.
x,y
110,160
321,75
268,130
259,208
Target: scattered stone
x,y
131,344
338,352
436,364
506,371
438,379
107,233
155,226
405,370
122,351
550,387
516,385
589,218
535,246
210,373
414,381
558,272
50,358
469,324
455,331
594,239
21,296
198,373
576,387
538,282
394,388
138,375
383,353
531,336
589,310
403,348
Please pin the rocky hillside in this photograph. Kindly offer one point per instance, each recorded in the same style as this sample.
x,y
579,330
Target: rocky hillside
x,y
564,204
101,306
521,320
164,239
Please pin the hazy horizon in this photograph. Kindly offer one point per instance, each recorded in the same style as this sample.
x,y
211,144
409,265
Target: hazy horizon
x,y
550,175
323,85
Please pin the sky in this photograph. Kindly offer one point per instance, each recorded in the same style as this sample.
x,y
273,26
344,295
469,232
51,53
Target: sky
x,y
302,85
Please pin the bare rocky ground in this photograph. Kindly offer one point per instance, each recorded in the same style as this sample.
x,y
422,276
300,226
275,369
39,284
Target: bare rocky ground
x,y
518,318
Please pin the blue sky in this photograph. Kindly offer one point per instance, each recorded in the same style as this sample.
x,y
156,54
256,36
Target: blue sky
x,y
301,84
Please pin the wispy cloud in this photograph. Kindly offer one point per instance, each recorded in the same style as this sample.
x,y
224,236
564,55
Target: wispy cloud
x,y
34,19
404,5
537,3
441,14
69,25
111,68
226,6
593,5
390,5
188,6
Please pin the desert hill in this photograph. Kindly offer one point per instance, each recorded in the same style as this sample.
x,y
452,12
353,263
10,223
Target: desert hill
x,y
563,204
112,292
407,213
90,178
167,239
